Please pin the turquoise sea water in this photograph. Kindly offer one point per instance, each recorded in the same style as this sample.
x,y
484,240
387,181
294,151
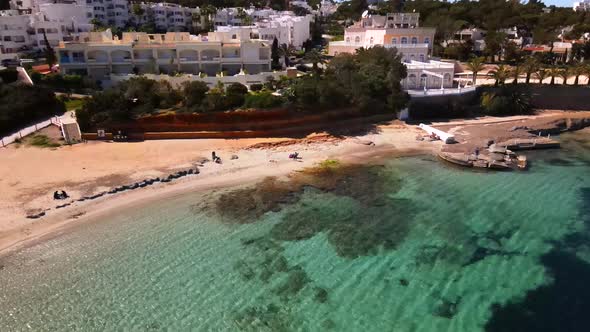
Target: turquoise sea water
x,y
411,245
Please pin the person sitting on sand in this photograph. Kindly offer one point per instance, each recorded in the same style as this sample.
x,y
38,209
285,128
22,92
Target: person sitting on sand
x,y
56,195
64,195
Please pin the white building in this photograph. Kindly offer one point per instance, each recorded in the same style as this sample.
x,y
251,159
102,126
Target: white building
x,y
403,32
328,7
98,54
582,5
109,12
286,28
167,16
25,32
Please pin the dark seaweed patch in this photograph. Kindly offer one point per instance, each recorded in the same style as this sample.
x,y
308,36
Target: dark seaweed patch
x,y
353,229
481,253
296,280
447,309
562,305
560,162
263,318
321,295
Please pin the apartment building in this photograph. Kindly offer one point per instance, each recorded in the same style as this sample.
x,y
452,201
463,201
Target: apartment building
x,y
582,5
99,54
284,26
167,16
26,32
109,12
403,32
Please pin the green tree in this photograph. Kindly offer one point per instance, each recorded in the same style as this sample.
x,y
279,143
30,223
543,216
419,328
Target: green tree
x,y
541,74
274,54
500,74
194,93
553,72
529,67
315,58
565,74
286,51
48,51
493,44
235,94
507,101
516,72
138,11
475,65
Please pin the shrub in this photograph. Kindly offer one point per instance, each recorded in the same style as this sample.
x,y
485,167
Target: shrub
x,y
256,87
262,99
8,75
506,101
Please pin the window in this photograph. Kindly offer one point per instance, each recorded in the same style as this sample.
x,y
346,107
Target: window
x,y
7,38
426,40
371,41
412,81
18,39
404,40
40,30
357,39
447,78
423,78
422,57
414,40
394,41
348,39
234,37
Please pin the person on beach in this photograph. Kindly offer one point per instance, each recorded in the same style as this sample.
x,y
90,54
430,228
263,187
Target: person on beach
x,y
56,195
213,156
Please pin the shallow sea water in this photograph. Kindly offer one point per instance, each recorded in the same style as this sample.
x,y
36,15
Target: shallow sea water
x,y
410,245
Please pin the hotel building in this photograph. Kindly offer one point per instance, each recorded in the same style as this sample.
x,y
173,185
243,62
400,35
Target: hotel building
x,y
403,32
98,54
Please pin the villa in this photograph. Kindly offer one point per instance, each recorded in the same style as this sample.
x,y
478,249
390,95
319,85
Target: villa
x,y
98,54
403,32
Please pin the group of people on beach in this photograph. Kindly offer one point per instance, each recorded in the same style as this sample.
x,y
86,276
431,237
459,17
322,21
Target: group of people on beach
x,y
60,195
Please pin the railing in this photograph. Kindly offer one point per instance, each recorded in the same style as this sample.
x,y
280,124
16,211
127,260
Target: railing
x,y
439,92
28,130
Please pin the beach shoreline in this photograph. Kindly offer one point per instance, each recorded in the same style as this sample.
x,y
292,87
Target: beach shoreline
x,y
349,150
257,159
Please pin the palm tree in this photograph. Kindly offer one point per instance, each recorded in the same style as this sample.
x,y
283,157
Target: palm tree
x,y
541,74
553,72
286,51
500,74
565,73
315,58
578,70
516,72
476,65
530,66
206,11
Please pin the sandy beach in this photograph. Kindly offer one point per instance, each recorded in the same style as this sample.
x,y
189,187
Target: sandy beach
x,y
30,175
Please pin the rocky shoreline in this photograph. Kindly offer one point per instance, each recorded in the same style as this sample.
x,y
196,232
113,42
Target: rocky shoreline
x,y
477,144
120,189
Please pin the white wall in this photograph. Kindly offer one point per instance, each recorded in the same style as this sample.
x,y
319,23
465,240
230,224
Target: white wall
x,y
177,81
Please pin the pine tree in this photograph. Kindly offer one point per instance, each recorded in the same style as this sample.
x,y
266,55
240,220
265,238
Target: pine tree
x,y
49,52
